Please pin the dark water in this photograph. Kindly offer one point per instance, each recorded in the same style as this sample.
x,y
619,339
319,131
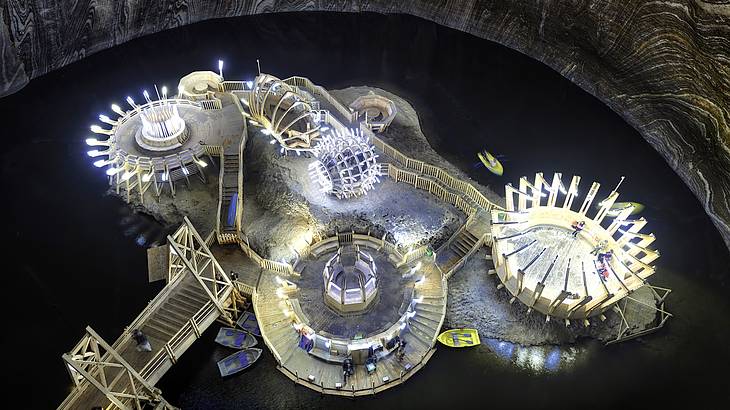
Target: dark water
x,y
72,256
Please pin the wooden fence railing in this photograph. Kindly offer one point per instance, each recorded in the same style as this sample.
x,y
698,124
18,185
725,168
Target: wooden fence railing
x,y
413,167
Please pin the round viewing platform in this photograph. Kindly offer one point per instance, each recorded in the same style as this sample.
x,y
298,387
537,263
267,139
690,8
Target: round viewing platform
x,y
564,263
311,340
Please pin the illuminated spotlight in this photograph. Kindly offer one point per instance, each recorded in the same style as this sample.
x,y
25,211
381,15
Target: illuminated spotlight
x,y
106,119
96,153
98,130
102,163
118,110
95,142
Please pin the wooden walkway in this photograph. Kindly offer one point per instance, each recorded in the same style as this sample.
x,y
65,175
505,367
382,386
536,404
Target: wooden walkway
x,y
277,326
118,375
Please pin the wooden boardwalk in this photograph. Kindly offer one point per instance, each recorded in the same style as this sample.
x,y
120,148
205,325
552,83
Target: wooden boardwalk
x,y
321,372
197,293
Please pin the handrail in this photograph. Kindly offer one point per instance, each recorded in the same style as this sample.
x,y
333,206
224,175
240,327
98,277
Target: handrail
x,y
319,91
439,174
221,170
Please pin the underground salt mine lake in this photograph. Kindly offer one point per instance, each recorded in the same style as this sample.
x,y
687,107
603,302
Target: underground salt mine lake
x,y
288,210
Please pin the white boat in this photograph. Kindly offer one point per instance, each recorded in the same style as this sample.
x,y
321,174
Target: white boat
x,y
238,361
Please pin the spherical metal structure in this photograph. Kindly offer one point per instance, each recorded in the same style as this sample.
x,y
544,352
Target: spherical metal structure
x,y
564,263
350,280
346,164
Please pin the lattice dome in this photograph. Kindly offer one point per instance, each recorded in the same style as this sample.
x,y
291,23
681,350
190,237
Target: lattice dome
x,y
347,164
350,279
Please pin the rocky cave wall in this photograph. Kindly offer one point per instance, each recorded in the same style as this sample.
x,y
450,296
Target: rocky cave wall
x,y
664,66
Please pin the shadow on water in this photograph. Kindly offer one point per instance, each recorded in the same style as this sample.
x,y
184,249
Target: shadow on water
x,y
75,259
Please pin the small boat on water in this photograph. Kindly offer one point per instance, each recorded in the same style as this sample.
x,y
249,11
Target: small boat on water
x,y
238,361
460,338
247,321
237,339
492,163
617,207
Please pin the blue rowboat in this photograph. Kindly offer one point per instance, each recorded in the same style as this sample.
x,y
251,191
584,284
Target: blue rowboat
x,y
238,361
234,338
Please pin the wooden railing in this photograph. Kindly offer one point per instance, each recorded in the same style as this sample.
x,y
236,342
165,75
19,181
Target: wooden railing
x,y
319,91
413,167
281,267
215,104
230,86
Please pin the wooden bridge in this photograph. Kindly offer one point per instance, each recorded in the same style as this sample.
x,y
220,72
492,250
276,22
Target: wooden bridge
x,y
198,292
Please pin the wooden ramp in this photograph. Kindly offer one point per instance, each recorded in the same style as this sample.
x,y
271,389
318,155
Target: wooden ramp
x,y
118,375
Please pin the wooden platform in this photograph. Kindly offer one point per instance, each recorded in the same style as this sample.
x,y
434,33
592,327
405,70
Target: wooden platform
x,y
282,338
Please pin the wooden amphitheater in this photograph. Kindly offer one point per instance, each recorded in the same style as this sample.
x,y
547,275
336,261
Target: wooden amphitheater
x,y
200,292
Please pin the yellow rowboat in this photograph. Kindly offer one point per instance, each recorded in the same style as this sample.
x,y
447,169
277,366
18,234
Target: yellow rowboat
x,y
617,207
492,163
460,338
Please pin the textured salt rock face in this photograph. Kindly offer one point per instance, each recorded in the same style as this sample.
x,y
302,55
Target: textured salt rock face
x,y
664,66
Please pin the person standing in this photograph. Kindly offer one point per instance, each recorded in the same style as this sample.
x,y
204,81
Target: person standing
x,y
143,344
577,227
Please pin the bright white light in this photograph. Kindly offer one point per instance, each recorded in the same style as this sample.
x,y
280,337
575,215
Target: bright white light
x,y
146,177
127,175
282,150
266,131
220,66
130,101
185,171
94,153
249,84
272,142
164,91
117,109
402,325
254,123
97,129
104,118
202,163
113,171
100,163
244,101
164,176
95,142
180,89
146,94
